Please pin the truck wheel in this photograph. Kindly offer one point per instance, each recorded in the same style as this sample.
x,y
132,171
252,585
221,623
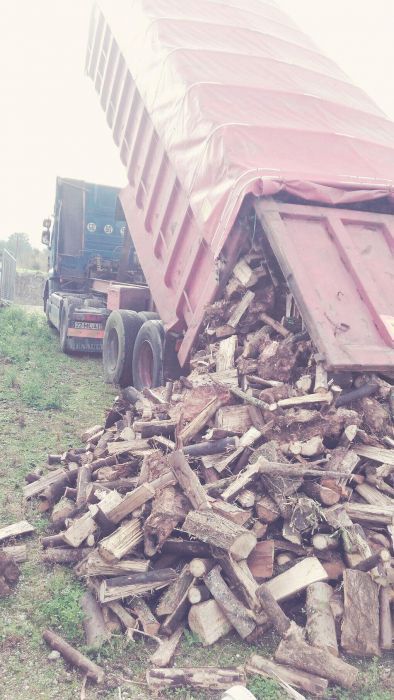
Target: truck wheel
x,y
120,334
63,326
148,356
148,316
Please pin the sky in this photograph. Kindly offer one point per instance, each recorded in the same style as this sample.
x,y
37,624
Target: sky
x,y
50,119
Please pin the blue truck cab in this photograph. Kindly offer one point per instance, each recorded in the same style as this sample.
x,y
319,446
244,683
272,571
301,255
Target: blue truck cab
x,y
85,238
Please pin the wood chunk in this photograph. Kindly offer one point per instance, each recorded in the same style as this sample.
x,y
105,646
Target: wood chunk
x,y
94,627
361,513
326,398
199,422
219,532
294,651
16,529
325,496
104,507
188,481
64,555
118,587
135,499
261,560
208,621
80,529
240,309
225,354
198,594
176,595
168,510
323,543
243,479
244,273
360,625
89,433
94,565
83,480
273,611
74,657
377,454
145,615
62,510
266,509
296,579
122,541
57,477
17,552
199,567
237,515
320,624
150,429
205,677
240,617
163,655
234,419
386,627
240,578
314,685
373,496
118,448
127,620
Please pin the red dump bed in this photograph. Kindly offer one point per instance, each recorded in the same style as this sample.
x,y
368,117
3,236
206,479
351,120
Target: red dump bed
x,y
211,101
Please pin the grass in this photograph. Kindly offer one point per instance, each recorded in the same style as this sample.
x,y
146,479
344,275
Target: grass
x,y
46,400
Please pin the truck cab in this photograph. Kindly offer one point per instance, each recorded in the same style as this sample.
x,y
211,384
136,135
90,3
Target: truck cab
x,y
85,239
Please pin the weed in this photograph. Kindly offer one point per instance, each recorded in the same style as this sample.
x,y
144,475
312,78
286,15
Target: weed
x,y
62,610
265,688
191,639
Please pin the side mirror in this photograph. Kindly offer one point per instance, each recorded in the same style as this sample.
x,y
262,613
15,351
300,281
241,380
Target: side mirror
x,y
46,223
45,237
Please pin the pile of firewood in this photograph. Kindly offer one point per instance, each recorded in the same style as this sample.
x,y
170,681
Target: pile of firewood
x,y
225,499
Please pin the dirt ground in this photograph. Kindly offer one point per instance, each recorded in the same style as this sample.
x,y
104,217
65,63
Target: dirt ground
x,y
46,400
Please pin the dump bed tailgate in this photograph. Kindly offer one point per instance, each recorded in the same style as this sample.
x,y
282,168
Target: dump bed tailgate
x,y
339,265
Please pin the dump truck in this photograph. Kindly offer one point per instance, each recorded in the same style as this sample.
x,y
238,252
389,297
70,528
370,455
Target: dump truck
x,y
85,239
228,120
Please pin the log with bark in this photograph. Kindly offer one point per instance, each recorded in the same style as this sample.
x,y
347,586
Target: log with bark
x,y
74,657
315,685
360,625
206,677
95,630
219,532
238,615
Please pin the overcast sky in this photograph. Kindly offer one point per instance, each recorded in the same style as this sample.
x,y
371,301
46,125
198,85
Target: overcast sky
x,y
50,120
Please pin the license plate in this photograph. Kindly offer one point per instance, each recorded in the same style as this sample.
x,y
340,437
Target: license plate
x,y
88,325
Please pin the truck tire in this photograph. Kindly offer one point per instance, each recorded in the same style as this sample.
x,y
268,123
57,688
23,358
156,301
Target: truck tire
x,y
148,356
148,316
63,326
120,334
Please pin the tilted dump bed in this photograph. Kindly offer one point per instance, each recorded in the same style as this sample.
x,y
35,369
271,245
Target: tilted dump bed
x,y
210,102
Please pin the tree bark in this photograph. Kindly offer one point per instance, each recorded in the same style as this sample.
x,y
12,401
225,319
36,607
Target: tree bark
x,y
320,625
360,625
298,679
94,625
240,617
74,657
294,651
168,510
163,655
188,481
205,677
219,532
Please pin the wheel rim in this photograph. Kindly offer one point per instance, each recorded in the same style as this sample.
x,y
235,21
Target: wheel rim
x,y
146,364
112,349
